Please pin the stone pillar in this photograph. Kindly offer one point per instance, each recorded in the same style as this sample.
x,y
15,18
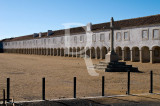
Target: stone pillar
x,y
57,53
132,55
151,57
85,53
123,59
50,51
96,53
140,56
91,53
101,54
76,53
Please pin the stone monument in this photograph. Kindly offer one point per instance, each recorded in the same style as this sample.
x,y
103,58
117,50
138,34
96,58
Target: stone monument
x,y
111,57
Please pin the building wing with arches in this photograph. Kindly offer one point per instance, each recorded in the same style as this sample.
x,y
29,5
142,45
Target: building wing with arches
x,y
136,40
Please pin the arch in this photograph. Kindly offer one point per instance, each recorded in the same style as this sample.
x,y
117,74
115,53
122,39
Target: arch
x,y
135,54
119,52
62,52
78,51
66,52
104,52
145,54
74,52
87,52
70,52
98,53
82,52
55,52
36,51
48,51
58,52
92,52
42,50
51,51
156,54
127,54
39,51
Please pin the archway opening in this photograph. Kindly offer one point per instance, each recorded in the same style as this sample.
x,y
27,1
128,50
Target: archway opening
x,y
119,52
135,54
127,54
145,54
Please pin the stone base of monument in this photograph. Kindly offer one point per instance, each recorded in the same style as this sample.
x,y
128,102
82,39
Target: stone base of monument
x,y
120,67
115,67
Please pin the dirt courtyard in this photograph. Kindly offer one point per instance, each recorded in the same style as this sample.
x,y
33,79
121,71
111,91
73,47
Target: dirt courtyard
x,y
26,72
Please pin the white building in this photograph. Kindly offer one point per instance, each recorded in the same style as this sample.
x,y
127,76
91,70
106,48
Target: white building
x,y
135,40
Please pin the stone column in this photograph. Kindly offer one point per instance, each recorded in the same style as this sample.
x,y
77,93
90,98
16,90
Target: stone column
x,y
90,53
57,52
123,59
76,53
132,55
140,56
96,53
101,54
151,56
50,51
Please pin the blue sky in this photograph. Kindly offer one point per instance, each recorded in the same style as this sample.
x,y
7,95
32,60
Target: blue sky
x,y
23,17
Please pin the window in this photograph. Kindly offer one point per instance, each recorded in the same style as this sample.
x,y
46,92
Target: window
x,y
102,37
36,42
156,34
75,39
118,36
126,36
94,37
145,34
81,38
44,41
48,41
54,41
62,40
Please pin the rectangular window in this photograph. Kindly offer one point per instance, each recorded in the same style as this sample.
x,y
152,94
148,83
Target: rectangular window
x,y
81,38
62,40
48,41
102,37
156,34
54,41
44,41
36,42
118,36
75,39
109,36
145,34
94,37
126,36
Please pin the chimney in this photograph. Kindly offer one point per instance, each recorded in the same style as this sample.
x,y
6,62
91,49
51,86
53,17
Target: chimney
x,y
50,32
89,27
40,34
35,35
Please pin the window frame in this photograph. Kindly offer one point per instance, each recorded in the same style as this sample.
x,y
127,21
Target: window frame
x,y
120,36
147,34
128,36
94,40
101,37
153,34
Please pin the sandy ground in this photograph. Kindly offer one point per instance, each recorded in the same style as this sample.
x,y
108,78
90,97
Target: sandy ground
x,y
26,72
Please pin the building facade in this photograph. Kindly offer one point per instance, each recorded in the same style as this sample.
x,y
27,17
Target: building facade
x,y
136,40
